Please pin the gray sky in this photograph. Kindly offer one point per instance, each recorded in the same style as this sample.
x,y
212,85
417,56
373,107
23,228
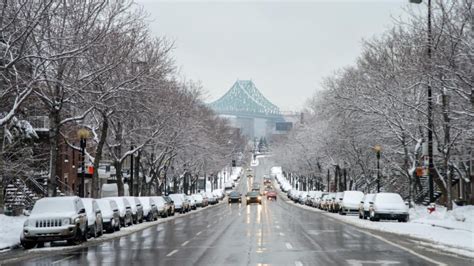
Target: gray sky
x,y
286,48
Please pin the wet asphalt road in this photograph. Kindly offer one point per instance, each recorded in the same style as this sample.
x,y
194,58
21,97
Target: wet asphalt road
x,y
274,233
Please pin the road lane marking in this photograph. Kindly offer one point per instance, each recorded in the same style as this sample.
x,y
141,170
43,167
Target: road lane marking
x,y
282,234
198,233
185,243
403,248
61,260
208,226
288,245
298,263
171,253
277,226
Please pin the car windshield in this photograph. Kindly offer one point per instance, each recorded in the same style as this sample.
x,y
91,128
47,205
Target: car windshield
x,y
104,205
252,194
53,205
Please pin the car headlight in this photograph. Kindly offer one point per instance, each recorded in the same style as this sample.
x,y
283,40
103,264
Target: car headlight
x,y
248,198
258,198
66,221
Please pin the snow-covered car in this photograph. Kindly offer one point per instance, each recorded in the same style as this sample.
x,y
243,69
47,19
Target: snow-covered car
x,y
191,201
350,202
364,206
94,217
199,200
218,193
171,209
388,206
211,198
137,209
162,206
110,215
179,202
336,203
125,210
56,218
326,201
150,212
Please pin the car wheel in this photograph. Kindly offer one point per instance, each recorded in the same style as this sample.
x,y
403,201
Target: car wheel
x,y
28,244
77,239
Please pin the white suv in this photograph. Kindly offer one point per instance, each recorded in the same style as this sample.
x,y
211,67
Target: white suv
x,y
52,219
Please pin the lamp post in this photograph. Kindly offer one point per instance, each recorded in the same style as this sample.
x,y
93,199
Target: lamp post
x,y
378,149
83,134
430,105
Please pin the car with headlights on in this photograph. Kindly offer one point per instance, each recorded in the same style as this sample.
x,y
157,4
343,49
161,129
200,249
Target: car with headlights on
x,y
388,206
253,197
234,196
53,219
271,195
94,217
110,215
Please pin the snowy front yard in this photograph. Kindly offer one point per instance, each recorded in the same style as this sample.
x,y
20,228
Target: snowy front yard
x,y
10,230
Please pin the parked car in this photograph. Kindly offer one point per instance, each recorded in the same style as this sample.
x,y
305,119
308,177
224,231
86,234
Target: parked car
x,y
271,195
388,206
162,207
191,202
56,218
365,205
350,202
235,196
179,202
325,201
336,203
137,209
253,197
150,212
205,200
170,202
125,210
211,198
110,215
94,217
198,199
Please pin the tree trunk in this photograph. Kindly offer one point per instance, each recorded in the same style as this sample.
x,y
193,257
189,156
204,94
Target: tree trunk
x,y
54,127
118,170
98,156
2,173
447,139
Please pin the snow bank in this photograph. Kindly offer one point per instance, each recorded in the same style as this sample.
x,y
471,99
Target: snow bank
x,y
10,230
461,218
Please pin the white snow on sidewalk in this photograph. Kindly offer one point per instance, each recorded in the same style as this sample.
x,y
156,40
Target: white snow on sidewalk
x,y
454,236
10,230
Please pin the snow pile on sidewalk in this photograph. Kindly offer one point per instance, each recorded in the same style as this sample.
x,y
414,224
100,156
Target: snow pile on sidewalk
x,y
460,218
443,228
10,230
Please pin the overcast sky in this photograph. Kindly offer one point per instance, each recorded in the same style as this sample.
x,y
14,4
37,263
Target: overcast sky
x,y
286,48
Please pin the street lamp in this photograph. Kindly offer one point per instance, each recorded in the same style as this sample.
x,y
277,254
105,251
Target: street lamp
x,y
378,149
83,134
430,105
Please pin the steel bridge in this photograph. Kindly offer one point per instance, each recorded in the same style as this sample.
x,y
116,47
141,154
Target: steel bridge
x,y
254,114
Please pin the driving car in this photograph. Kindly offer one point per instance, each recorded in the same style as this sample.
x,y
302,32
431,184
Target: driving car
x,y
365,205
110,215
350,202
235,196
271,195
388,206
253,197
55,218
137,209
94,217
125,210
